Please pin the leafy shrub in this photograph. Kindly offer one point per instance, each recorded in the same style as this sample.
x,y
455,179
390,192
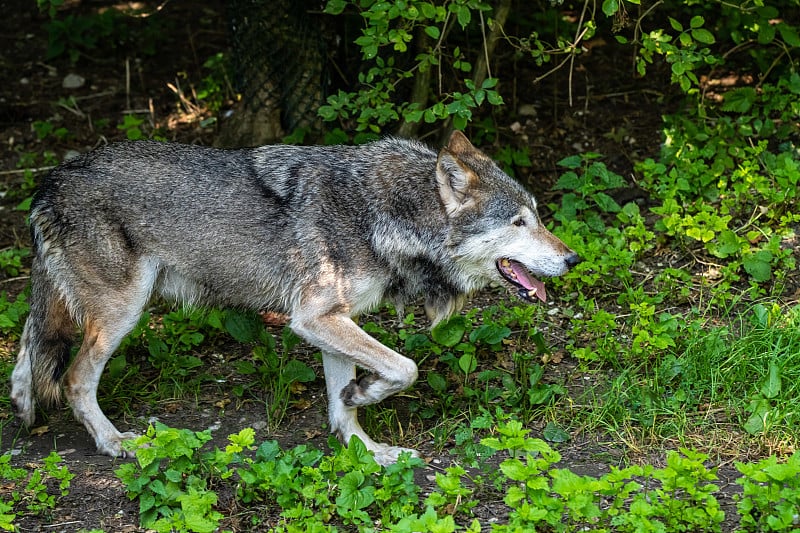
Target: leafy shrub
x,y
173,479
676,498
386,49
170,478
35,491
771,494
12,314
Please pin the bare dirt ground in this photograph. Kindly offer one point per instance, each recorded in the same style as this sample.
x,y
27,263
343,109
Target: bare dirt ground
x,y
625,125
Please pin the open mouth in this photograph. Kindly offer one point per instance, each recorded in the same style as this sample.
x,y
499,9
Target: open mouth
x,y
518,277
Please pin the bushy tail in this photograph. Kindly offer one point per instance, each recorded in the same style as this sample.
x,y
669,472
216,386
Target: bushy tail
x,y
44,347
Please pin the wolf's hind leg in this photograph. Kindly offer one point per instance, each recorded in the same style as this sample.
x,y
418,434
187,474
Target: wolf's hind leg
x,y
339,374
44,348
81,381
22,387
112,316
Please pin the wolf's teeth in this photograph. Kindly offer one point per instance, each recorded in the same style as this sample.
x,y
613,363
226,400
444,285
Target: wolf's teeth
x,y
505,263
532,292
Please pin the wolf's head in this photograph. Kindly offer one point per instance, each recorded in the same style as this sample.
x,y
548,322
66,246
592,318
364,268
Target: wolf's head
x,y
495,231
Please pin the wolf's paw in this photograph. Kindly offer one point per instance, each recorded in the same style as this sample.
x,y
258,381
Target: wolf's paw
x,y
387,455
362,391
113,446
374,387
22,402
22,405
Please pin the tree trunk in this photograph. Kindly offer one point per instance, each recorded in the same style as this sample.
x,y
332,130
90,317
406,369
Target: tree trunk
x,y
279,67
481,69
422,87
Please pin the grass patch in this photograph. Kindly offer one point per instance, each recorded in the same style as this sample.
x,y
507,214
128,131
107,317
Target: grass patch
x,y
752,367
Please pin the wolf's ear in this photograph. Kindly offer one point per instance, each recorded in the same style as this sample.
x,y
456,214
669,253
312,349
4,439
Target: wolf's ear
x,y
460,145
455,178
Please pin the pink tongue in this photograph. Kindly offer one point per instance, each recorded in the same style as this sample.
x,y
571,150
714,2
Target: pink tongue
x,y
529,282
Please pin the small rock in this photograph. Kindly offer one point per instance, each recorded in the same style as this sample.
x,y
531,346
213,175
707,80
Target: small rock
x,y
71,154
73,81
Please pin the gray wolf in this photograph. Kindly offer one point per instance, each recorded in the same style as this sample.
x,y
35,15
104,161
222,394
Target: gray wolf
x,y
320,234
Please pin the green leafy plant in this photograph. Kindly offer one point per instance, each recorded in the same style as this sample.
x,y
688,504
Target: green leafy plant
x,y
762,412
215,88
389,29
13,313
463,342
511,158
11,260
75,35
30,163
173,478
170,477
452,495
275,370
724,190
170,345
312,488
6,516
541,496
685,52
45,129
173,342
132,126
770,499
608,236
587,189
36,491
529,496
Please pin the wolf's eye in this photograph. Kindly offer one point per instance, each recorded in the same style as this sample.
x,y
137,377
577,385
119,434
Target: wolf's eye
x,y
519,222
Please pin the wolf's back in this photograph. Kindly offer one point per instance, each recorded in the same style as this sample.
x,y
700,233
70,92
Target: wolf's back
x,y
233,227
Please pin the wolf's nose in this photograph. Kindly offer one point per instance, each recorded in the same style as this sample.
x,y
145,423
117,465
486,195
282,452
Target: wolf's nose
x,y
572,260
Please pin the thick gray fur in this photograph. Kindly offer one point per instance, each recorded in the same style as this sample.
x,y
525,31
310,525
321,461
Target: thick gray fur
x,y
318,233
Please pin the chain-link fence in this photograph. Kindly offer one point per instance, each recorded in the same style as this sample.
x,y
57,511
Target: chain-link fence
x,y
279,61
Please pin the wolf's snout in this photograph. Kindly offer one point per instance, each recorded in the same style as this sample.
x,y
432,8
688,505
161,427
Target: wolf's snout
x,y
572,260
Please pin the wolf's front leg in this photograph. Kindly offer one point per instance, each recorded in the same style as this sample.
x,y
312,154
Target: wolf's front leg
x,y
338,335
339,379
